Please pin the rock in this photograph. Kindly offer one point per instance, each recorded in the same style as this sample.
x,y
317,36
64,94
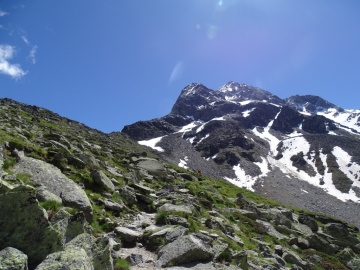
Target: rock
x,y
183,250
349,258
164,236
98,250
69,225
117,207
76,162
153,166
269,228
24,226
42,194
320,244
135,259
5,186
293,258
72,258
129,196
188,176
102,180
128,236
51,177
168,207
89,160
308,221
13,259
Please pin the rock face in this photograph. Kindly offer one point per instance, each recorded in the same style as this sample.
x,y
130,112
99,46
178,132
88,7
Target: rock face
x,y
13,259
24,226
51,177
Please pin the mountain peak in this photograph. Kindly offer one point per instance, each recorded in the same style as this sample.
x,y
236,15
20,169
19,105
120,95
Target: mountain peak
x,y
311,104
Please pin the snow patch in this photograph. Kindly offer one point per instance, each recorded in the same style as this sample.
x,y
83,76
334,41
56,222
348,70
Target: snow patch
x,y
152,143
183,163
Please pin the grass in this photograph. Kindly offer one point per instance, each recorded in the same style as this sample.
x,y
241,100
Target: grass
x,y
122,264
23,177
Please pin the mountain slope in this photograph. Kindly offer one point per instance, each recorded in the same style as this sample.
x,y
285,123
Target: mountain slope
x,y
72,197
252,138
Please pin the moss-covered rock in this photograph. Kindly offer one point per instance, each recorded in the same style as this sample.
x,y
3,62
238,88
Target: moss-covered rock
x,y
24,225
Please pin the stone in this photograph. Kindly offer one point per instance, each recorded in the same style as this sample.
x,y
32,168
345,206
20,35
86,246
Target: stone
x,y
42,194
135,259
72,258
320,244
153,166
56,182
128,236
168,207
308,221
129,195
89,160
102,180
293,258
24,226
117,207
185,249
13,259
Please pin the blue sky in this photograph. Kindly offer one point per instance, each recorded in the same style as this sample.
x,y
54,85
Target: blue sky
x,y
111,63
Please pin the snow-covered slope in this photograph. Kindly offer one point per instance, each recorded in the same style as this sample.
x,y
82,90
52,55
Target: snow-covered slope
x,y
244,134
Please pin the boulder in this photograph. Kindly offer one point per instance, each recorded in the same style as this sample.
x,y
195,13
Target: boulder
x,y
24,225
114,206
153,166
13,259
89,160
320,244
97,249
128,236
129,195
56,182
69,225
168,207
308,221
102,180
349,258
42,194
185,249
72,258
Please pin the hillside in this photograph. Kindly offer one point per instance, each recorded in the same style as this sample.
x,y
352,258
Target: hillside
x,y
72,197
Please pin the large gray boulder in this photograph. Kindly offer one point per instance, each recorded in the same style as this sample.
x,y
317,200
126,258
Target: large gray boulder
x,y
97,249
72,258
184,250
13,259
56,182
168,207
24,225
102,180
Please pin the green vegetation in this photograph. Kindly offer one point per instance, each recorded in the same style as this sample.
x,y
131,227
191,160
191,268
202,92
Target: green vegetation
x,y
122,264
53,206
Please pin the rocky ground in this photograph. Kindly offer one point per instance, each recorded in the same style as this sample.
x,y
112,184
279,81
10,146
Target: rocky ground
x,y
74,198
310,198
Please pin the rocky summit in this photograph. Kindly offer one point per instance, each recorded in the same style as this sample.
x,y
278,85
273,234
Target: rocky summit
x,y
72,197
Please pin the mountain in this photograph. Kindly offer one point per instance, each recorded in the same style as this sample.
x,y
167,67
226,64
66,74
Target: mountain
x,y
73,197
302,150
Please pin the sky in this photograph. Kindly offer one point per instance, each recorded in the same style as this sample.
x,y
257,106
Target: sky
x,y
112,63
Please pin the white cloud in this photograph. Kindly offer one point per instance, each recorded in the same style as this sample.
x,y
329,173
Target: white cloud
x,y
32,54
24,38
13,70
2,13
176,72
